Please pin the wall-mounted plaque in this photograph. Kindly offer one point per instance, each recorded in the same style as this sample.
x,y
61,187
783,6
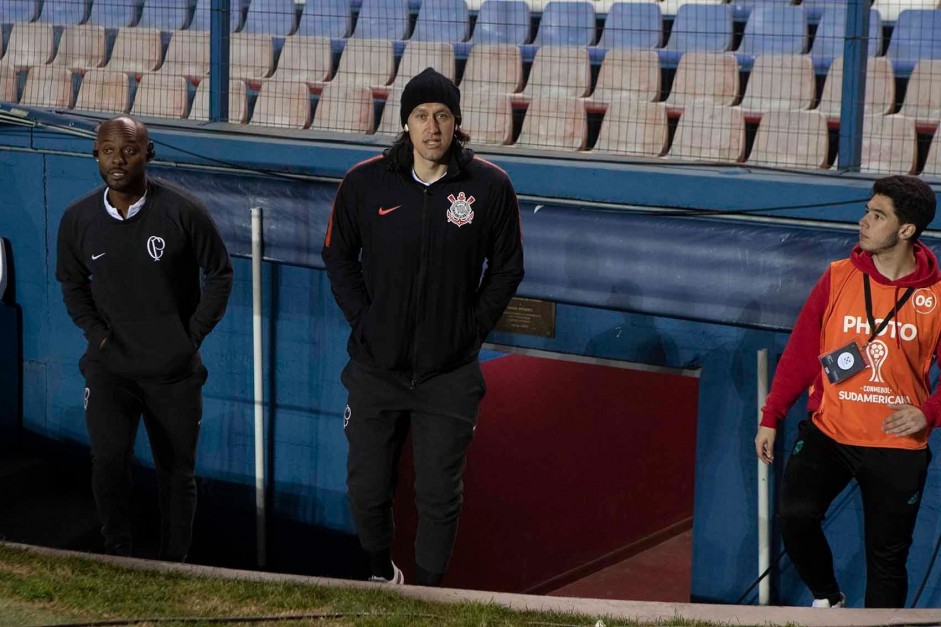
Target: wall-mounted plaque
x,y
530,316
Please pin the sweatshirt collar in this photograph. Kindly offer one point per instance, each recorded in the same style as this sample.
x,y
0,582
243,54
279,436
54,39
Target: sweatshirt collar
x,y
131,211
926,270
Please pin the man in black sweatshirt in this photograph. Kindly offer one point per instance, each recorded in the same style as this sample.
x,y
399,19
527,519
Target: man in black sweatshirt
x,y
405,251
129,261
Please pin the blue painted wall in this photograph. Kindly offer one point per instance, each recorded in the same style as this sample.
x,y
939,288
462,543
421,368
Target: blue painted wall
x,y
305,338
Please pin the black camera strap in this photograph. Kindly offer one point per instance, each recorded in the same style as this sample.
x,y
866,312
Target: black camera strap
x,y
885,321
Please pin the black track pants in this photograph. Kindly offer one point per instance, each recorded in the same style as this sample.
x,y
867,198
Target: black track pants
x,y
890,482
172,414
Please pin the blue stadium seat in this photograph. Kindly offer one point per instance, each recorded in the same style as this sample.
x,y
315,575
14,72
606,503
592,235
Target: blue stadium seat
x,y
828,42
114,13
502,22
566,24
164,15
270,17
442,20
326,18
201,18
814,9
383,19
917,35
64,12
19,10
773,29
632,25
741,9
698,28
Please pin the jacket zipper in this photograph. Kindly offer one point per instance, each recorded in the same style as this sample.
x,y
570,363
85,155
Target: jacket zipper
x,y
422,271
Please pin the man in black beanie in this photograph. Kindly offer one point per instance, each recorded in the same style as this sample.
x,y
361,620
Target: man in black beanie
x,y
405,250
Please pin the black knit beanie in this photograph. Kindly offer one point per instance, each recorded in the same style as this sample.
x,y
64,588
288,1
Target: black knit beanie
x,y
430,86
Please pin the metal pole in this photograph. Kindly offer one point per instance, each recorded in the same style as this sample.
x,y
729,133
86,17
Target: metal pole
x,y
855,48
259,387
764,521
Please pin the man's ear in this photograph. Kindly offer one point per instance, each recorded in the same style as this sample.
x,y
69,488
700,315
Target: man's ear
x,y
94,150
907,231
150,151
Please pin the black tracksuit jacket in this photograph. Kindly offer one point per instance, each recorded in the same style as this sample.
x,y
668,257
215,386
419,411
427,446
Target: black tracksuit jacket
x,y
406,262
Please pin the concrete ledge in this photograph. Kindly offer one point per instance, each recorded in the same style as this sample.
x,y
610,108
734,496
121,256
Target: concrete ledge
x,y
640,611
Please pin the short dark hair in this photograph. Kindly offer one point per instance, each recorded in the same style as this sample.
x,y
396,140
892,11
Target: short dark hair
x,y
913,200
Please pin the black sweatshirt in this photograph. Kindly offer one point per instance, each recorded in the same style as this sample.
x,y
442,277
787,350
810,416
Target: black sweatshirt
x,y
137,282
415,299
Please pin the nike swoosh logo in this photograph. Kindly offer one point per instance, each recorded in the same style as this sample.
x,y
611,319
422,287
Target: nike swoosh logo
x,y
94,257
383,212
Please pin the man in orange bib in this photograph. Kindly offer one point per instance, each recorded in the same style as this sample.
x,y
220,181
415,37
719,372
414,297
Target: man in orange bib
x,y
863,342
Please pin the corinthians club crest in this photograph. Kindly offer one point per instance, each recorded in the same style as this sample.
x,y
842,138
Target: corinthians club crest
x,y
460,212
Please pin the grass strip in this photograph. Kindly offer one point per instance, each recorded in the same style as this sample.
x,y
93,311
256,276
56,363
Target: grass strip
x,y
40,590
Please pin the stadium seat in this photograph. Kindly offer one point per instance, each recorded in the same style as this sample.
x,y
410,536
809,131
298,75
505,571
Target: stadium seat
x,y
238,103
673,7
632,25
923,94
368,62
633,128
29,44
7,83
831,35
345,108
164,15
631,74
286,105
270,17
741,9
559,73
791,139
815,9
916,36
188,54
48,86
136,50
12,11
496,68
890,9
64,12
779,83
162,96
698,28
487,117
382,19
705,78
554,123
442,20
305,59
880,88
326,18
933,162
419,55
81,47
202,16
566,24
390,124
114,13
502,22
890,145
251,56
103,90
773,29
707,133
